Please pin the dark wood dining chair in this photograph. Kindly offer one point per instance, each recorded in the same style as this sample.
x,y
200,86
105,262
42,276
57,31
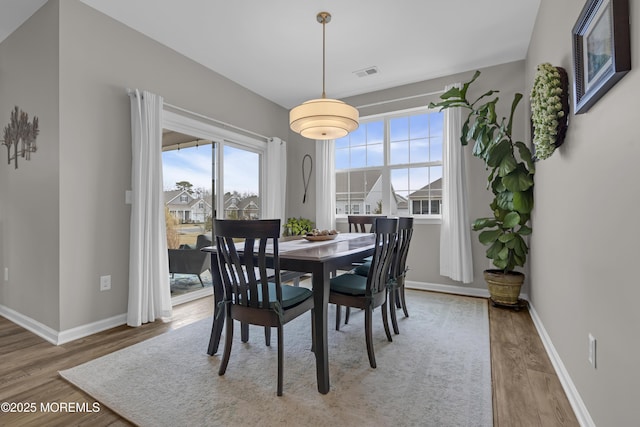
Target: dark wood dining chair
x,y
398,271
252,295
395,286
358,224
369,292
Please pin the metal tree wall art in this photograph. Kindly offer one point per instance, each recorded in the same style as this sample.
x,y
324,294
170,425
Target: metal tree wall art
x,y
21,134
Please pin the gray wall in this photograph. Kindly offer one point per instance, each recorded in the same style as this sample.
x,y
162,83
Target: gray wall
x,y
29,195
584,250
64,218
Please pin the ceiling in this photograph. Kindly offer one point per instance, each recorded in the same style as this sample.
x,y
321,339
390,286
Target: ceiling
x,y
274,48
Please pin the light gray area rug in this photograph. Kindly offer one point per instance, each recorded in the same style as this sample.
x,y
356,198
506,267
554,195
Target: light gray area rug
x,y
435,373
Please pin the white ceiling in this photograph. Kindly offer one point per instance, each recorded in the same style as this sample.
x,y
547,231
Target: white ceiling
x,y
274,48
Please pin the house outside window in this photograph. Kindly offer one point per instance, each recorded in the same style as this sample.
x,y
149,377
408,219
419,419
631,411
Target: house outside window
x,y
392,162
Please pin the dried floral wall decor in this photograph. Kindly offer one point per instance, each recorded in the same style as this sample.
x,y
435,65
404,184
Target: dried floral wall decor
x,y
549,109
21,135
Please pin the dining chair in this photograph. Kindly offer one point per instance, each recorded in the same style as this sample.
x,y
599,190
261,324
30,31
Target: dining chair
x,y
395,284
251,294
369,292
358,224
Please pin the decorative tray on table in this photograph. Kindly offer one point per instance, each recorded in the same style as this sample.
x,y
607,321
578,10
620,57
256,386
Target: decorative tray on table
x,y
319,236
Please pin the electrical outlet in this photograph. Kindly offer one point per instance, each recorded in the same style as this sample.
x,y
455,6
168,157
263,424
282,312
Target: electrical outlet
x,y
592,351
105,283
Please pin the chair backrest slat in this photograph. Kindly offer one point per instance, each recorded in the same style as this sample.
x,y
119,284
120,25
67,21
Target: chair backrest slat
x,y
359,223
405,231
245,276
386,240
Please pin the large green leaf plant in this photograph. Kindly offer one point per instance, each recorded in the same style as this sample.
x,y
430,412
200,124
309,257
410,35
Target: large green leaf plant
x,y
511,169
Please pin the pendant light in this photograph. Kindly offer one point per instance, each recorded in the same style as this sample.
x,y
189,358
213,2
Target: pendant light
x,y
323,118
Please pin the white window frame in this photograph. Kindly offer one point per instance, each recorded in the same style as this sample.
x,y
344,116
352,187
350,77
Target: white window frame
x,y
387,167
199,127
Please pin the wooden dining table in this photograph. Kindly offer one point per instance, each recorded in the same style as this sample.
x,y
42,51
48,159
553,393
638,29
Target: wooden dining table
x,y
321,259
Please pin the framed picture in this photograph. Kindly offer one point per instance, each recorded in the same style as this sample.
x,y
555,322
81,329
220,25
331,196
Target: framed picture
x,y
601,50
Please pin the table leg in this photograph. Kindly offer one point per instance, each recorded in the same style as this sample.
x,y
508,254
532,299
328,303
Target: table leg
x,y
218,309
320,283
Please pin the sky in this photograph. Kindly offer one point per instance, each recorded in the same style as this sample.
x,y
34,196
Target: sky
x,y
193,164
188,164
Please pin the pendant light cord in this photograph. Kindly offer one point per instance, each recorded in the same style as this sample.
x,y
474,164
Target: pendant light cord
x,y
324,23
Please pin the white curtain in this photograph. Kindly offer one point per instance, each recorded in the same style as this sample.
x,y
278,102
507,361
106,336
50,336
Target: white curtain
x,y
276,179
456,261
149,289
325,185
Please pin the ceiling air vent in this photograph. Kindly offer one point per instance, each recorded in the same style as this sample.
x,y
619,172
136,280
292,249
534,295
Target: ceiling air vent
x,y
366,72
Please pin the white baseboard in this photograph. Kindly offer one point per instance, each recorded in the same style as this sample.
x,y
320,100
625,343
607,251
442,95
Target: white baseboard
x,y
61,337
91,328
191,296
447,289
31,325
579,408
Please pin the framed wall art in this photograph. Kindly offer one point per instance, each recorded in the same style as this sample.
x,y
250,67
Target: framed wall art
x,y
601,50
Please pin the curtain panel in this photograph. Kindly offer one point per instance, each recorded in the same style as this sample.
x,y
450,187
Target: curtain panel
x,y
149,287
276,180
456,260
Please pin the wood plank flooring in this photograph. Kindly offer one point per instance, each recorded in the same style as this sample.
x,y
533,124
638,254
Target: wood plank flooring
x,y
526,390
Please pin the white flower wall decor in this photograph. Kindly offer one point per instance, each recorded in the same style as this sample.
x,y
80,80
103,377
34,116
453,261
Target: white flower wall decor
x,y
549,109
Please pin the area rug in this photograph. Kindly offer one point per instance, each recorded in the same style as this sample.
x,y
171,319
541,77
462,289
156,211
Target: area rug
x,y
435,373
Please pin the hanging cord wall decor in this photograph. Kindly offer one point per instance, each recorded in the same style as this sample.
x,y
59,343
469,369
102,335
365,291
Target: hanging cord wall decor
x,y
19,130
306,176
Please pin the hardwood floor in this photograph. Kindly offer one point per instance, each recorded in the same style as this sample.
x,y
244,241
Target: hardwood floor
x,y
526,390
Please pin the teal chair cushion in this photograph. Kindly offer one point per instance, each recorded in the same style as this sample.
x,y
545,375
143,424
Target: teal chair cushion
x,y
350,284
363,269
291,295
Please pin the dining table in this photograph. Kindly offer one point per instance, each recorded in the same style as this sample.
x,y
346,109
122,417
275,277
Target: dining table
x,y
320,258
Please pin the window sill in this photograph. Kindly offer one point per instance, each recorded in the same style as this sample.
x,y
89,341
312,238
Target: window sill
x,y
420,220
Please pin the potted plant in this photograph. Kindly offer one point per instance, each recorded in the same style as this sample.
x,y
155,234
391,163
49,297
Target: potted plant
x,y
297,227
511,170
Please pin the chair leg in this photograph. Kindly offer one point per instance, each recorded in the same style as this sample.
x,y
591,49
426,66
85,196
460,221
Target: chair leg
x,y
267,336
244,332
392,308
385,321
313,331
338,309
280,359
368,332
201,282
228,340
346,315
403,300
397,294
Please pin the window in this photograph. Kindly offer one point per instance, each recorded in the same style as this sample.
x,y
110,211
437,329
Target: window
x,y
392,164
235,179
241,182
210,163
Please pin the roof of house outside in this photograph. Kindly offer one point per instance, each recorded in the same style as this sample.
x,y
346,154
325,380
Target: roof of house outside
x,y
432,190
